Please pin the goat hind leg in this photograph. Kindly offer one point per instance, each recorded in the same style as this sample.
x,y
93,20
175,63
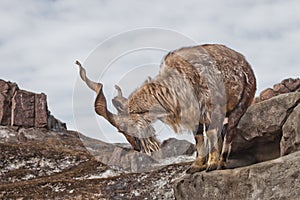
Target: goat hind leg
x,y
214,152
201,146
200,163
230,131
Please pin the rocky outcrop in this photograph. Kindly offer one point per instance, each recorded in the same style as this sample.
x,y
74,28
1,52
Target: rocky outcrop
x,y
21,108
126,159
276,179
31,153
267,130
286,86
43,164
7,91
173,148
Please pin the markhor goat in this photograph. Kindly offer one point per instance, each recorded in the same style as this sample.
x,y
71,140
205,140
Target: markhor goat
x,y
197,89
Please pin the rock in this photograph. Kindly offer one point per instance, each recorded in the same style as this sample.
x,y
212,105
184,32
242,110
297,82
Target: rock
x,y
29,109
260,129
285,86
265,119
21,108
276,179
291,84
173,147
7,90
41,111
267,94
56,165
280,88
55,124
32,153
123,159
256,100
130,160
290,141
246,152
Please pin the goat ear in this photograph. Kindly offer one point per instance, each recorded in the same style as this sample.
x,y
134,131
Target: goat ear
x,y
120,102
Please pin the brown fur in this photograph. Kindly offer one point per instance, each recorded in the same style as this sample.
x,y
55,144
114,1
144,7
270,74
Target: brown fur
x,y
196,87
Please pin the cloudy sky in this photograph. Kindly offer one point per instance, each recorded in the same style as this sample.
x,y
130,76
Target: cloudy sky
x,y
124,41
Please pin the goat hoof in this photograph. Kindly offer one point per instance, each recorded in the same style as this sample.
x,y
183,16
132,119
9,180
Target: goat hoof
x,y
195,168
222,165
211,167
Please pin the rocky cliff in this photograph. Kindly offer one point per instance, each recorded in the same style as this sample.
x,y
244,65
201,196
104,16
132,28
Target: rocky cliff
x,y
21,108
275,179
41,161
268,134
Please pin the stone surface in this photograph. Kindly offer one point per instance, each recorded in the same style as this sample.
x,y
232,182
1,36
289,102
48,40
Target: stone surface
x,y
256,100
267,94
285,86
247,152
130,160
260,131
173,147
41,111
124,158
291,84
55,124
280,88
266,118
290,141
7,90
23,109
57,165
276,179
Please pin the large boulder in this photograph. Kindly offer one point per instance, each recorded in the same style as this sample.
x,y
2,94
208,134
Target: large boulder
x,y
267,118
130,160
261,128
269,129
126,159
121,158
276,179
173,147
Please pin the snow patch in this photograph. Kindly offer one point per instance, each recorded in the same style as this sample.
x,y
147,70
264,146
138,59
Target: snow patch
x,y
4,134
28,176
108,173
175,160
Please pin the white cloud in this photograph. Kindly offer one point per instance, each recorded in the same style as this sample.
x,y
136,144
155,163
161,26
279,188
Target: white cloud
x,y
40,40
